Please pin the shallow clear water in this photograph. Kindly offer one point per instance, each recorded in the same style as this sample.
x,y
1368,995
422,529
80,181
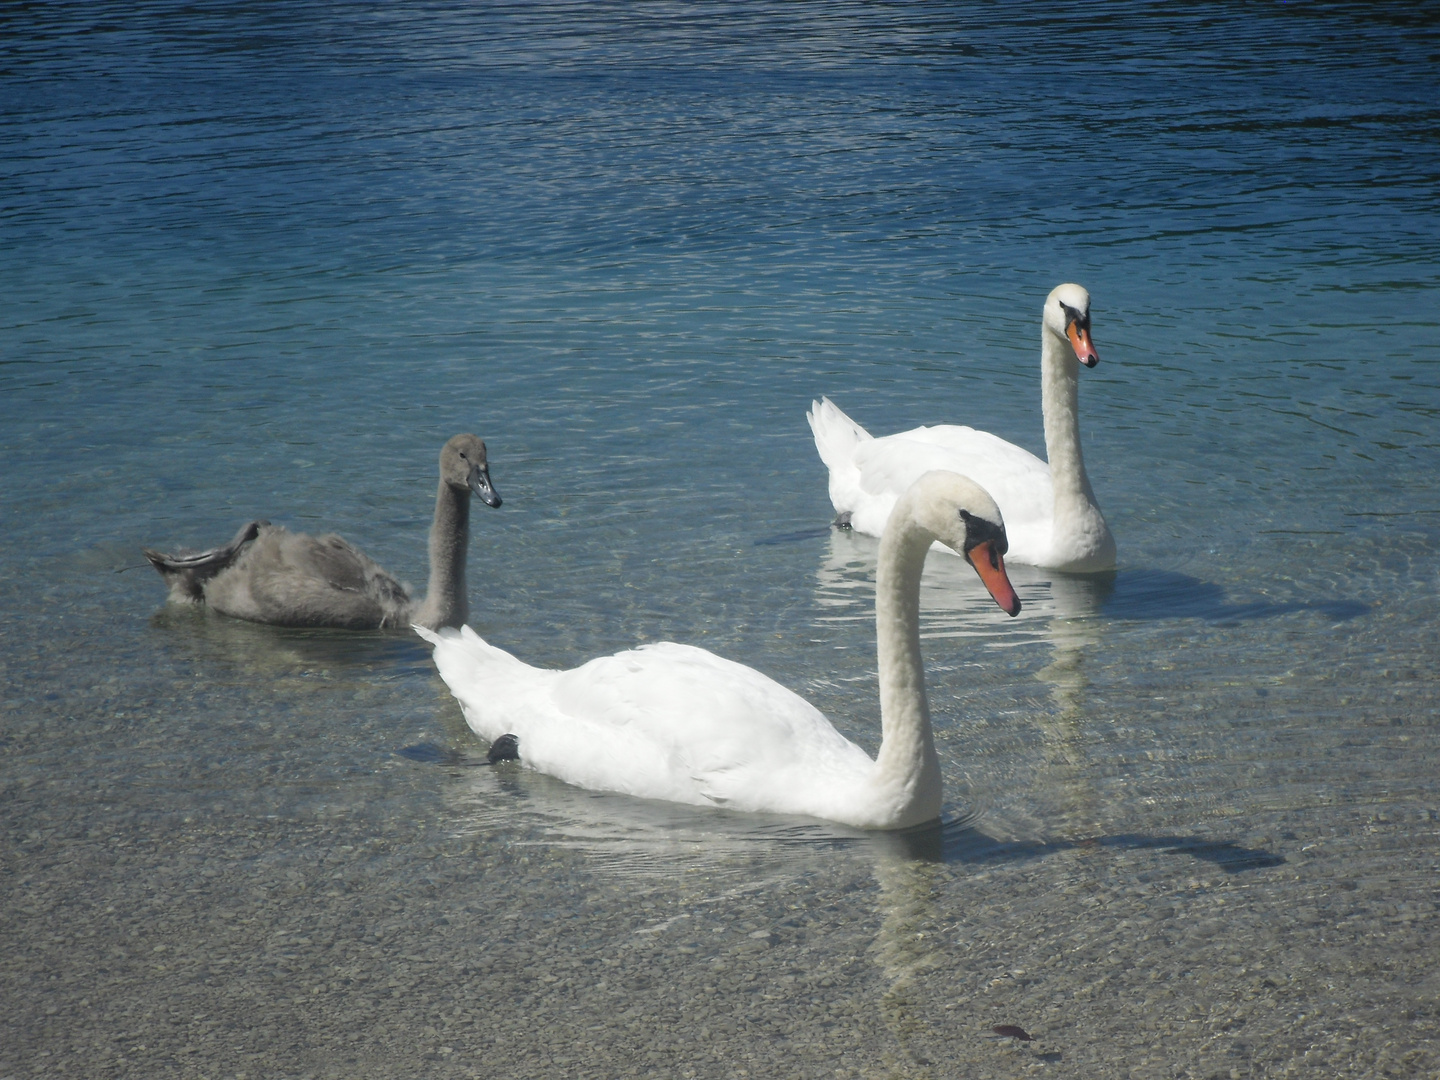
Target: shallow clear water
x,y
263,261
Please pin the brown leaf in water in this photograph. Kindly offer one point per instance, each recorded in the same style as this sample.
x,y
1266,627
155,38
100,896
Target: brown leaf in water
x,y
1012,1031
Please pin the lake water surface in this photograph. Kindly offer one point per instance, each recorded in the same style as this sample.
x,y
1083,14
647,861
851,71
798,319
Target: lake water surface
x,y
262,260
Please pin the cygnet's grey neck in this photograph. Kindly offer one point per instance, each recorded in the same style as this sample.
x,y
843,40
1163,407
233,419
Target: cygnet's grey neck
x,y
446,599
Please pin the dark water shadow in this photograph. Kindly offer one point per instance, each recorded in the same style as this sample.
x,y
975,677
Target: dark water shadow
x,y
620,827
626,837
815,532
200,632
960,841
847,573
428,753
1164,594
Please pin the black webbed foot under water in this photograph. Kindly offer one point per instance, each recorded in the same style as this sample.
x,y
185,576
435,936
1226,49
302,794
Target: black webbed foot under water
x,y
505,748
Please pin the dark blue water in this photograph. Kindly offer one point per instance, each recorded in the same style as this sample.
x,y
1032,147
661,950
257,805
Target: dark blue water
x,y
263,260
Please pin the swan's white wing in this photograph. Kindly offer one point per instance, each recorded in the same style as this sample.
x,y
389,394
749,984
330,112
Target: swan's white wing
x,y
1016,479
715,728
664,721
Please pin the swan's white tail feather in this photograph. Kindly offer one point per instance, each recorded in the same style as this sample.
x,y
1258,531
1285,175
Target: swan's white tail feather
x,y
836,435
483,678
462,652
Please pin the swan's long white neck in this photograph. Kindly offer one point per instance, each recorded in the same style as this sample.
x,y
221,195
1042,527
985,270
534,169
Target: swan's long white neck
x,y
1060,402
446,602
1081,538
907,770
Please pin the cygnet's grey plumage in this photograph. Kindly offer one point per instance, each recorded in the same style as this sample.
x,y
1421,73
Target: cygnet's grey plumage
x,y
270,575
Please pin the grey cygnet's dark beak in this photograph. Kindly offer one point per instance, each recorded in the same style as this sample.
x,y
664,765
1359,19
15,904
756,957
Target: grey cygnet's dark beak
x,y
479,481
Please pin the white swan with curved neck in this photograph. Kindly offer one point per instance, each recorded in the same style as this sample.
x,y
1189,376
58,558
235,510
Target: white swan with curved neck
x,y
1050,509
674,722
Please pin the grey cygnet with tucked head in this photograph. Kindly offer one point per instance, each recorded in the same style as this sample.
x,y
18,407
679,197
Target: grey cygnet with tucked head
x,y
270,575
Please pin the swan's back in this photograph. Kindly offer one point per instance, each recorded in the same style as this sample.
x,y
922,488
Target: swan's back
x,y
664,721
294,579
868,474
1016,479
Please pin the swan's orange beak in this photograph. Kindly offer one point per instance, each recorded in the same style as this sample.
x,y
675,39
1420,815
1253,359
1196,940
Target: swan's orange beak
x,y
1080,341
989,564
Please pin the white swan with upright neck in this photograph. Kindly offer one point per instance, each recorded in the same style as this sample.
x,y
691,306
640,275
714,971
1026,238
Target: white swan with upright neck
x,y
1050,509
270,575
675,722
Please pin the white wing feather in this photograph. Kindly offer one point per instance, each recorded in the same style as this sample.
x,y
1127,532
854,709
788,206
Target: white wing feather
x,y
664,721
868,475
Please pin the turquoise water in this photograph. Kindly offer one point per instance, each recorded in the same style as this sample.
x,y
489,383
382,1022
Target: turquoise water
x,y
264,261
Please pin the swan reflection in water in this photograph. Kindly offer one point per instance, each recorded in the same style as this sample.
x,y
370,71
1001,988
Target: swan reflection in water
x,y
1059,611
289,655
1072,614
709,865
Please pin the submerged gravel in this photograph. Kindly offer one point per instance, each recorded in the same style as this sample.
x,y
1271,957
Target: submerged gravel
x,y
170,910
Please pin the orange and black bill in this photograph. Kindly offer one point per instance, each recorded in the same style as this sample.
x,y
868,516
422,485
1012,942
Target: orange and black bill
x,y
1080,341
990,565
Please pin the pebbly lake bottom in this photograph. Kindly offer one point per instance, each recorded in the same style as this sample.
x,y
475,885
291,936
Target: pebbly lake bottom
x,y
1187,846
